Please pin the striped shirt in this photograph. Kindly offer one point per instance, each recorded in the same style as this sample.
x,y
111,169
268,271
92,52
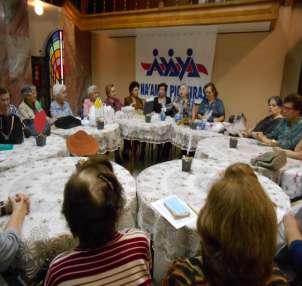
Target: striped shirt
x,y
125,260
188,271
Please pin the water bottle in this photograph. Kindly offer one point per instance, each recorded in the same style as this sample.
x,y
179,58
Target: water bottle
x,y
163,114
202,125
177,117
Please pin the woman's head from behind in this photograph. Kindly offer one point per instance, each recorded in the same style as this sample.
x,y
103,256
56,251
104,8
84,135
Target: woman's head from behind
x,y
93,202
238,229
275,105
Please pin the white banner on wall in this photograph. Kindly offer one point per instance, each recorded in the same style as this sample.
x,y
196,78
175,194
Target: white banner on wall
x,y
175,59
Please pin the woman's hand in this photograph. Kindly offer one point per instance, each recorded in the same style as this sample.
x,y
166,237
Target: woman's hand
x,y
258,135
20,204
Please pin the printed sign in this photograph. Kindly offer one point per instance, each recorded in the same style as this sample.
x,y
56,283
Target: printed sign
x,y
175,59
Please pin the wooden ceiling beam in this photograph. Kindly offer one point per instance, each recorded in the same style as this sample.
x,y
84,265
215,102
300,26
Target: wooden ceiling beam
x,y
240,11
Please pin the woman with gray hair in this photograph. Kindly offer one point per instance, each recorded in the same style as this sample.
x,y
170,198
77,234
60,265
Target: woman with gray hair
x,y
27,106
93,94
182,103
59,107
28,109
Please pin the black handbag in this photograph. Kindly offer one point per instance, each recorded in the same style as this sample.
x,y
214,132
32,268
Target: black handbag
x,y
67,122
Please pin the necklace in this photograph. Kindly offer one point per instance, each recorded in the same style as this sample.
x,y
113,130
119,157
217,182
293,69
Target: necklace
x,y
6,136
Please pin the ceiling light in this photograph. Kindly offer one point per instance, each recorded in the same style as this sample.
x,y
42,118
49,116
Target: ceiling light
x,y
39,9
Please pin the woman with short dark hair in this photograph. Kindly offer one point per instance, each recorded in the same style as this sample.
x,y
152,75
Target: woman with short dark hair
x,y
11,128
238,231
93,203
162,101
270,122
211,109
288,134
133,98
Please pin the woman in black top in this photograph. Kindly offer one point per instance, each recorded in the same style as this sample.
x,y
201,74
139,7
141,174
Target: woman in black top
x,y
162,100
269,123
11,131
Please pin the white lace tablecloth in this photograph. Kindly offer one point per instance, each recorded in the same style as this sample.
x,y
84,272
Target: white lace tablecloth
x,y
162,180
186,138
156,132
109,138
44,182
218,149
28,151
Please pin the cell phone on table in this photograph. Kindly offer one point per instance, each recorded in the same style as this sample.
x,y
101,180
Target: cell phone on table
x,y
177,208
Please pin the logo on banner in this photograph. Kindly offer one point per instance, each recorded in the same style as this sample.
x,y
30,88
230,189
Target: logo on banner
x,y
174,66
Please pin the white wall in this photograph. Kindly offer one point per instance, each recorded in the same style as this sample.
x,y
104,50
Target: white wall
x,y
40,27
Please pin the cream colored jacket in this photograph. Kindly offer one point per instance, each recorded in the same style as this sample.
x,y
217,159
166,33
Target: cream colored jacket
x,y
25,111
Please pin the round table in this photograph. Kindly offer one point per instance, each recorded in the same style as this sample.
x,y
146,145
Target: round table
x,y
28,151
162,180
290,177
43,228
155,132
187,139
109,138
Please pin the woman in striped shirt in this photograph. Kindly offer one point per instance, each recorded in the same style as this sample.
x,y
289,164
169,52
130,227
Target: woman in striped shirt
x,y
93,202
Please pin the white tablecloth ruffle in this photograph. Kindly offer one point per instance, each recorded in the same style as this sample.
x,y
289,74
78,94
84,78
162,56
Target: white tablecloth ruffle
x,y
162,180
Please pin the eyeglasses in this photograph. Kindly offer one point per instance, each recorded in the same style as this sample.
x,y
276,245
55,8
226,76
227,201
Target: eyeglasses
x,y
288,107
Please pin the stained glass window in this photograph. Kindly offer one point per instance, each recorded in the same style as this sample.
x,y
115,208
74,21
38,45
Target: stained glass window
x,y
55,53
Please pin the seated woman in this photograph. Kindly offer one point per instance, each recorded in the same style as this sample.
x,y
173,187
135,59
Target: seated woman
x,y
11,128
93,93
59,107
10,240
133,98
269,123
238,231
162,100
28,108
212,109
93,203
111,99
182,103
287,135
